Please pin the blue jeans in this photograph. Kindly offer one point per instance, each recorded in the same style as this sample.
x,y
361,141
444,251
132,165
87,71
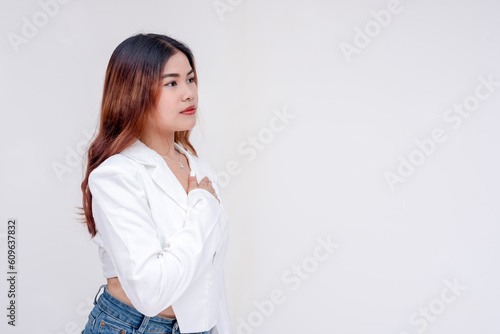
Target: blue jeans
x,y
112,316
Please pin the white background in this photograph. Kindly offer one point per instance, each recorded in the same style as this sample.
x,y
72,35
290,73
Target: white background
x,y
321,174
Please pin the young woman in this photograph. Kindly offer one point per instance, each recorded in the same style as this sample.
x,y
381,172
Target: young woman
x,y
151,205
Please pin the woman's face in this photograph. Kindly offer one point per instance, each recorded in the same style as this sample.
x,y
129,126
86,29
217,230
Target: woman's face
x,y
178,92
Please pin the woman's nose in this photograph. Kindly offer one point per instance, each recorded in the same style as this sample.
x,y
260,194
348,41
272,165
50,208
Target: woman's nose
x,y
188,92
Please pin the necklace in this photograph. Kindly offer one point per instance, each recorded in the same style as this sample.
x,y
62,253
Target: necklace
x,y
179,163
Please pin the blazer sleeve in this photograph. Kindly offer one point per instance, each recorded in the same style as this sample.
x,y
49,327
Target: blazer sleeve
x,y
152,277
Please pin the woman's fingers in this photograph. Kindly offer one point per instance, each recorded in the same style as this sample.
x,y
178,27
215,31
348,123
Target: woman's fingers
x,y
204,183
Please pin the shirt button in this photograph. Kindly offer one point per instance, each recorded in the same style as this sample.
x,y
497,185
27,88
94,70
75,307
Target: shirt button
x,y
102,323
122,331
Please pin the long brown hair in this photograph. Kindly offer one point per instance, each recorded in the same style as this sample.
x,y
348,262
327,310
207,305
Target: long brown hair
x,y
131,91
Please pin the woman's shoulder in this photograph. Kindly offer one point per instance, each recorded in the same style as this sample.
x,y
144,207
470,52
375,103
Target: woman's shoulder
x,y
116,164
119,160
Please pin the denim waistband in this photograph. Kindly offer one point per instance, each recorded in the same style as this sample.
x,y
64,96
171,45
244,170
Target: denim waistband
x,y
129,314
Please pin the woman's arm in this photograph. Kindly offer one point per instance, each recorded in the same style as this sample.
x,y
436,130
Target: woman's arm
x,y
152,278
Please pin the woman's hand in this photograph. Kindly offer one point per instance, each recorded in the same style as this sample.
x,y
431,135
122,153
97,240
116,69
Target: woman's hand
x,y
205,183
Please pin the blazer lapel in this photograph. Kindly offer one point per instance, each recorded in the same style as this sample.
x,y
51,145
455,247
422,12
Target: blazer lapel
x,y
161,174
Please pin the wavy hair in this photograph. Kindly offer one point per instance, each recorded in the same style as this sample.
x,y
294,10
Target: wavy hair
x,y
131,92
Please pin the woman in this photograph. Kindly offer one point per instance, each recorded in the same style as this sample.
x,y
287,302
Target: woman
x,y
150,203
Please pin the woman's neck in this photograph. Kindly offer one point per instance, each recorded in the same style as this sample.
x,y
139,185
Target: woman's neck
x,y
164,146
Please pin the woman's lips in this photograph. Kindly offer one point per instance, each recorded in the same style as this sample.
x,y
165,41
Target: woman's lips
x,y
190,111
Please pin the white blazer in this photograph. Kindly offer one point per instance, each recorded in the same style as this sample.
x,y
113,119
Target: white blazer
x,y
165,246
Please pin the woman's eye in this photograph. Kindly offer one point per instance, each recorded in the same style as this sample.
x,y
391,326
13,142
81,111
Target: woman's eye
x,y
173,82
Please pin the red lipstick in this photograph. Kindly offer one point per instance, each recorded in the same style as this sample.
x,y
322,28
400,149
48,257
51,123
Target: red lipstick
x,y
189,110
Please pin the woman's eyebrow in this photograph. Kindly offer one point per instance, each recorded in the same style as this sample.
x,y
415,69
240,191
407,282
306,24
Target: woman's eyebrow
x,y
176,74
